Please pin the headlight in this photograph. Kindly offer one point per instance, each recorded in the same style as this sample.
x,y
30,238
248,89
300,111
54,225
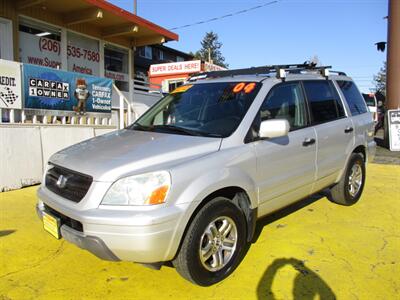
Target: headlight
x,y
145,189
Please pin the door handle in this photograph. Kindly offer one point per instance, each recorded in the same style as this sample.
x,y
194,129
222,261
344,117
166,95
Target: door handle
x,y
348,129
308,142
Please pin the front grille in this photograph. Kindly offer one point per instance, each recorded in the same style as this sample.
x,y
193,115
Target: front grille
x,y
72,185
74,224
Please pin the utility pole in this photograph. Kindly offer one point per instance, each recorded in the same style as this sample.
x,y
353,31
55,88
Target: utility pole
x,y
393,65
393,56
135,7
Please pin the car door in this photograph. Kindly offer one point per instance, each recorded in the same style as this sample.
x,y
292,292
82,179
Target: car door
x,y
335,132
285,165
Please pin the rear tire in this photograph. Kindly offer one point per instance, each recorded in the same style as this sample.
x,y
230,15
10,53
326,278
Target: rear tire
x,y
350,187
218,226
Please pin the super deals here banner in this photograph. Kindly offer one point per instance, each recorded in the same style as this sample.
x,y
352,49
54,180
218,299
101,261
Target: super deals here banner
x,y
51,89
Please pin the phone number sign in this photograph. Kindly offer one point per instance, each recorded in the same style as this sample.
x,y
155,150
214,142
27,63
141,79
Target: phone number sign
x,y
83,54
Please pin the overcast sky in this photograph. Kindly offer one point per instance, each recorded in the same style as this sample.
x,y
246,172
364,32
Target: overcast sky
x,y
342,33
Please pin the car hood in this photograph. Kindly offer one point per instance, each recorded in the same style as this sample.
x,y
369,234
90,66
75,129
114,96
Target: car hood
x,y
124,152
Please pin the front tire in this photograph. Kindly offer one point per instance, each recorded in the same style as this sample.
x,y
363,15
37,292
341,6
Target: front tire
x,y
350,187
214,243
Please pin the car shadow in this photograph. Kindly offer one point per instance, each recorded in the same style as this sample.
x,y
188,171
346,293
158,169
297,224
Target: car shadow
x,y
307,284
380,142
264,221
6,232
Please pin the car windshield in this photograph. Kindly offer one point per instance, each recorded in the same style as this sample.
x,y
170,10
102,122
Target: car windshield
x,y
369,99
206,109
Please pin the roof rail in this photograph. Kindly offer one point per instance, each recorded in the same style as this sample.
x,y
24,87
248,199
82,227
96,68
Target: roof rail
x,y
265,70
338,73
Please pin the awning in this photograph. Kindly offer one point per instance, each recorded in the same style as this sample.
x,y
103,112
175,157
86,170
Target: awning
x,y
97,18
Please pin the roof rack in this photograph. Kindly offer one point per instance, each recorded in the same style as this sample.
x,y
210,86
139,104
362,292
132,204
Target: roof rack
x,y
280,71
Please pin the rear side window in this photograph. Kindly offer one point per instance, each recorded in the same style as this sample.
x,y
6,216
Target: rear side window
x,y
325,104
353,97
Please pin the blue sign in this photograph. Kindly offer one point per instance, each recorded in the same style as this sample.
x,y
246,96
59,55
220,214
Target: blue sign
x,y
46,88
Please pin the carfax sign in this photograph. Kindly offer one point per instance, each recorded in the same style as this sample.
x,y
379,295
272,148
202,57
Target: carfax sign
x,y
10,85
51,89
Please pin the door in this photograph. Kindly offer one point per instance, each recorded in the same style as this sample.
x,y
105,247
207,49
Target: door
x,y
335,132
6,41
285,165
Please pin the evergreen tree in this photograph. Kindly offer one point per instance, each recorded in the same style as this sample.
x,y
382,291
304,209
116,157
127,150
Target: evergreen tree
x,y
211,48
380,80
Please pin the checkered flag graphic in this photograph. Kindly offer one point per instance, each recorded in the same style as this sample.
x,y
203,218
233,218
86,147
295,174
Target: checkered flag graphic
x,y
8,96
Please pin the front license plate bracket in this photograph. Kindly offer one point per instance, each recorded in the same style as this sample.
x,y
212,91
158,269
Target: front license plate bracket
x,y
52,224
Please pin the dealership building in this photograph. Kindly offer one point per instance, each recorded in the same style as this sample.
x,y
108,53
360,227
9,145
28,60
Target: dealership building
x,y
59,62
86,36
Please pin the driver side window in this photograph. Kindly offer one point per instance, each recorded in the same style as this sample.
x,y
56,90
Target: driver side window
x,y
284,101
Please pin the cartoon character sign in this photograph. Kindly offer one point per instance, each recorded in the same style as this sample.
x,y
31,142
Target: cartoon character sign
x,y
81,94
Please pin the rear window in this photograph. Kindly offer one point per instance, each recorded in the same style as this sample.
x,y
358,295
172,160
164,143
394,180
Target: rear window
x,y
324,101
369,99
353,97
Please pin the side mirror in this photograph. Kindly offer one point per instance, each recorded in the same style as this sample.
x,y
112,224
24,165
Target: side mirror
x,y
274,128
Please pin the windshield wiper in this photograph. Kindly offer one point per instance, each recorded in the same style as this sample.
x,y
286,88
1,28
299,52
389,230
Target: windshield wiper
x,y
172,128
178,129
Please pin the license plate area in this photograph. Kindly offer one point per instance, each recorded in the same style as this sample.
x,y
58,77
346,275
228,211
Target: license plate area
x,y
52,224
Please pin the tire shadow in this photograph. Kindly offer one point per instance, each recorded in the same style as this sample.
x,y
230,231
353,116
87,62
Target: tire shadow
x,y
307,284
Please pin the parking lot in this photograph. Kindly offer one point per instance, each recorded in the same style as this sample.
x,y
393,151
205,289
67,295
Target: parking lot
x,y
312,248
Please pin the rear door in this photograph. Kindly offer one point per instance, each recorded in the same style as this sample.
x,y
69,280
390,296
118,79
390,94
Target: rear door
x,y
334,130
360,116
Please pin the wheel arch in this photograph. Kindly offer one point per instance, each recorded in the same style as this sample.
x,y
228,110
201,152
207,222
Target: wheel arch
x,y
361,149
239,196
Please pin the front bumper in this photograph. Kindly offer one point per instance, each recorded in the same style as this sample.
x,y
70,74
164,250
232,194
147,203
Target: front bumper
x,y
91,243
118,234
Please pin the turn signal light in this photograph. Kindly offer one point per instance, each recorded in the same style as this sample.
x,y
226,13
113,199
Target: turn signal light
x,y
158,195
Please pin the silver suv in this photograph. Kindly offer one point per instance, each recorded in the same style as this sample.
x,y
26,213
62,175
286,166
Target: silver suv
x,y
188,180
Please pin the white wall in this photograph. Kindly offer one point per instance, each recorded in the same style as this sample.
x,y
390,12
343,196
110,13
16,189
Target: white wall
x,y
25,149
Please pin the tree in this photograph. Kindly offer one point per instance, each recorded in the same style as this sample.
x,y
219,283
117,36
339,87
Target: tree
x,y
211,48
380,80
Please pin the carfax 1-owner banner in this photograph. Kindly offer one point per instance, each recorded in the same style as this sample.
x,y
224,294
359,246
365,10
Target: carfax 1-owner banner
x,y
10,84
51,89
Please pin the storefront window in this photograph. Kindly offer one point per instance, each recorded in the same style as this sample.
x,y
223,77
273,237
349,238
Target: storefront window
x,y
83,54
116,66
6,44
146,52
173,84
39,44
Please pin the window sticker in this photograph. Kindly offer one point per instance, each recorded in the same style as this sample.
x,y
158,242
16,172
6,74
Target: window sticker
x,y
247,88
239,87
182,89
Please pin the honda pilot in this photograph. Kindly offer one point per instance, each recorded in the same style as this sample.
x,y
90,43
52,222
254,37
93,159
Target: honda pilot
x,y
187,182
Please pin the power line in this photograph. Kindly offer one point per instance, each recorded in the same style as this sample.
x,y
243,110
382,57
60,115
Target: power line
x,y
226,16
